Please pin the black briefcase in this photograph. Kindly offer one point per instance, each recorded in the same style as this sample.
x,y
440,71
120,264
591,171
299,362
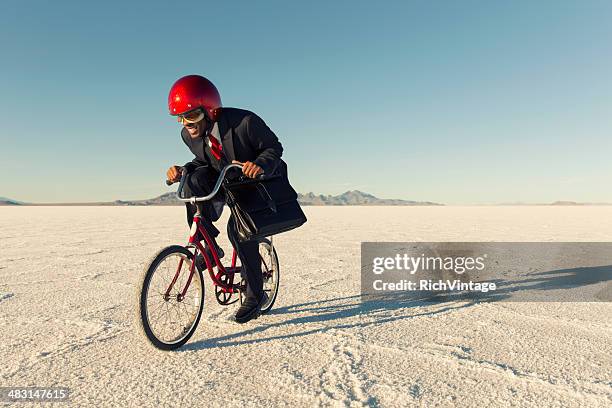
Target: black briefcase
x,y
263,207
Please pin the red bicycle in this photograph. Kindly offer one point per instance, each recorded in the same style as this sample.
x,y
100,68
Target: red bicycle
x,y
171,296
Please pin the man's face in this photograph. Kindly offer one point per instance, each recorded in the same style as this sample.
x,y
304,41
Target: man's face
x,y
195,129
194,122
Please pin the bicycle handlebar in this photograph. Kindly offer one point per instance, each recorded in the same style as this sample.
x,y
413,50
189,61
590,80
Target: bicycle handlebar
x,y
215,190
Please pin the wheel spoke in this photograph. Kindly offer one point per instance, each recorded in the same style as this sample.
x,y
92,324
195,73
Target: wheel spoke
x,y
170,320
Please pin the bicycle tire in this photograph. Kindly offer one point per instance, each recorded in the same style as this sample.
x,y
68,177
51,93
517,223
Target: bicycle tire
x,y
274,257
142,293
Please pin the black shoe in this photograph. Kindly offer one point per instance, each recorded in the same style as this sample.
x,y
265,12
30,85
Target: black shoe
x,y
200,259
250,309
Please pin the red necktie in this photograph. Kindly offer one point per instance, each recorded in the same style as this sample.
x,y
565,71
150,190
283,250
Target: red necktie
x,y
215,147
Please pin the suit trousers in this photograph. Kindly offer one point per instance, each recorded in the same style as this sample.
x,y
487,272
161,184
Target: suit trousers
x,y
200,183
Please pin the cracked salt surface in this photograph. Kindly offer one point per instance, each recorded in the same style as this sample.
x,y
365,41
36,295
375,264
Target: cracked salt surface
x,y
70,323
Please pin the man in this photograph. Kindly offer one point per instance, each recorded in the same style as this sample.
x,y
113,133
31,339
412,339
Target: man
x,y
218,136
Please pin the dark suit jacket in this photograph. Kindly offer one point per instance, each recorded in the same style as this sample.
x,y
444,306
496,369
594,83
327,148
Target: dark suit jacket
x,y
245,137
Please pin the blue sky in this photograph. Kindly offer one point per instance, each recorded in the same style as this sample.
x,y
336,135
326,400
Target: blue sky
x,y
455,102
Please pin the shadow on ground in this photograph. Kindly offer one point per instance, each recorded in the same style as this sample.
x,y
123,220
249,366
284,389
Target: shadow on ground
x,y
339,313
360,311
567,284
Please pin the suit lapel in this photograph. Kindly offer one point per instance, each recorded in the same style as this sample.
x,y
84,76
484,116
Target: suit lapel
x,y
227,138
198,147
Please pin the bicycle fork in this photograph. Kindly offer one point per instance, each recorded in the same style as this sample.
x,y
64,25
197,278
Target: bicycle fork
x,y
181,295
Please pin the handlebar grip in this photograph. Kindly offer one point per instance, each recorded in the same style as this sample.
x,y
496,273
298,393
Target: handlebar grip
x,y
169,183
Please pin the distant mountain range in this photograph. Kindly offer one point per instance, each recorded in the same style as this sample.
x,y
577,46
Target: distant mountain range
x,y
8,201
354,197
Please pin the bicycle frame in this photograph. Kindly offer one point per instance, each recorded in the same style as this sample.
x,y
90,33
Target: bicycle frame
x,y
199,233
169,316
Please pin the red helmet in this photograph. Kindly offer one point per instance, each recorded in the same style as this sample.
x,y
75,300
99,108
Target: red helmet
x,y
192,92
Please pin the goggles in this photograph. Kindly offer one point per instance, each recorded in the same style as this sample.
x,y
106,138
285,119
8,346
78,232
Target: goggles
x,y
191,117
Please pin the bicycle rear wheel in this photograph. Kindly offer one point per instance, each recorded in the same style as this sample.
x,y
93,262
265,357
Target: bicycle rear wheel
x,y
270,269
167,318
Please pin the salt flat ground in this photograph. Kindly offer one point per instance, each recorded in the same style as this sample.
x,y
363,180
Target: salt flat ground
x,y
67,278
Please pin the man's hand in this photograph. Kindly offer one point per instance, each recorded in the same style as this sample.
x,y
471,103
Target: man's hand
x,y
174,173
249,169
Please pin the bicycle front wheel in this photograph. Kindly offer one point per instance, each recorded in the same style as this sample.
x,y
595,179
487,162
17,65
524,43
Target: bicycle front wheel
x,y
169,314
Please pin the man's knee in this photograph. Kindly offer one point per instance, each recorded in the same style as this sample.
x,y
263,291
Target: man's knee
x,y
198,182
